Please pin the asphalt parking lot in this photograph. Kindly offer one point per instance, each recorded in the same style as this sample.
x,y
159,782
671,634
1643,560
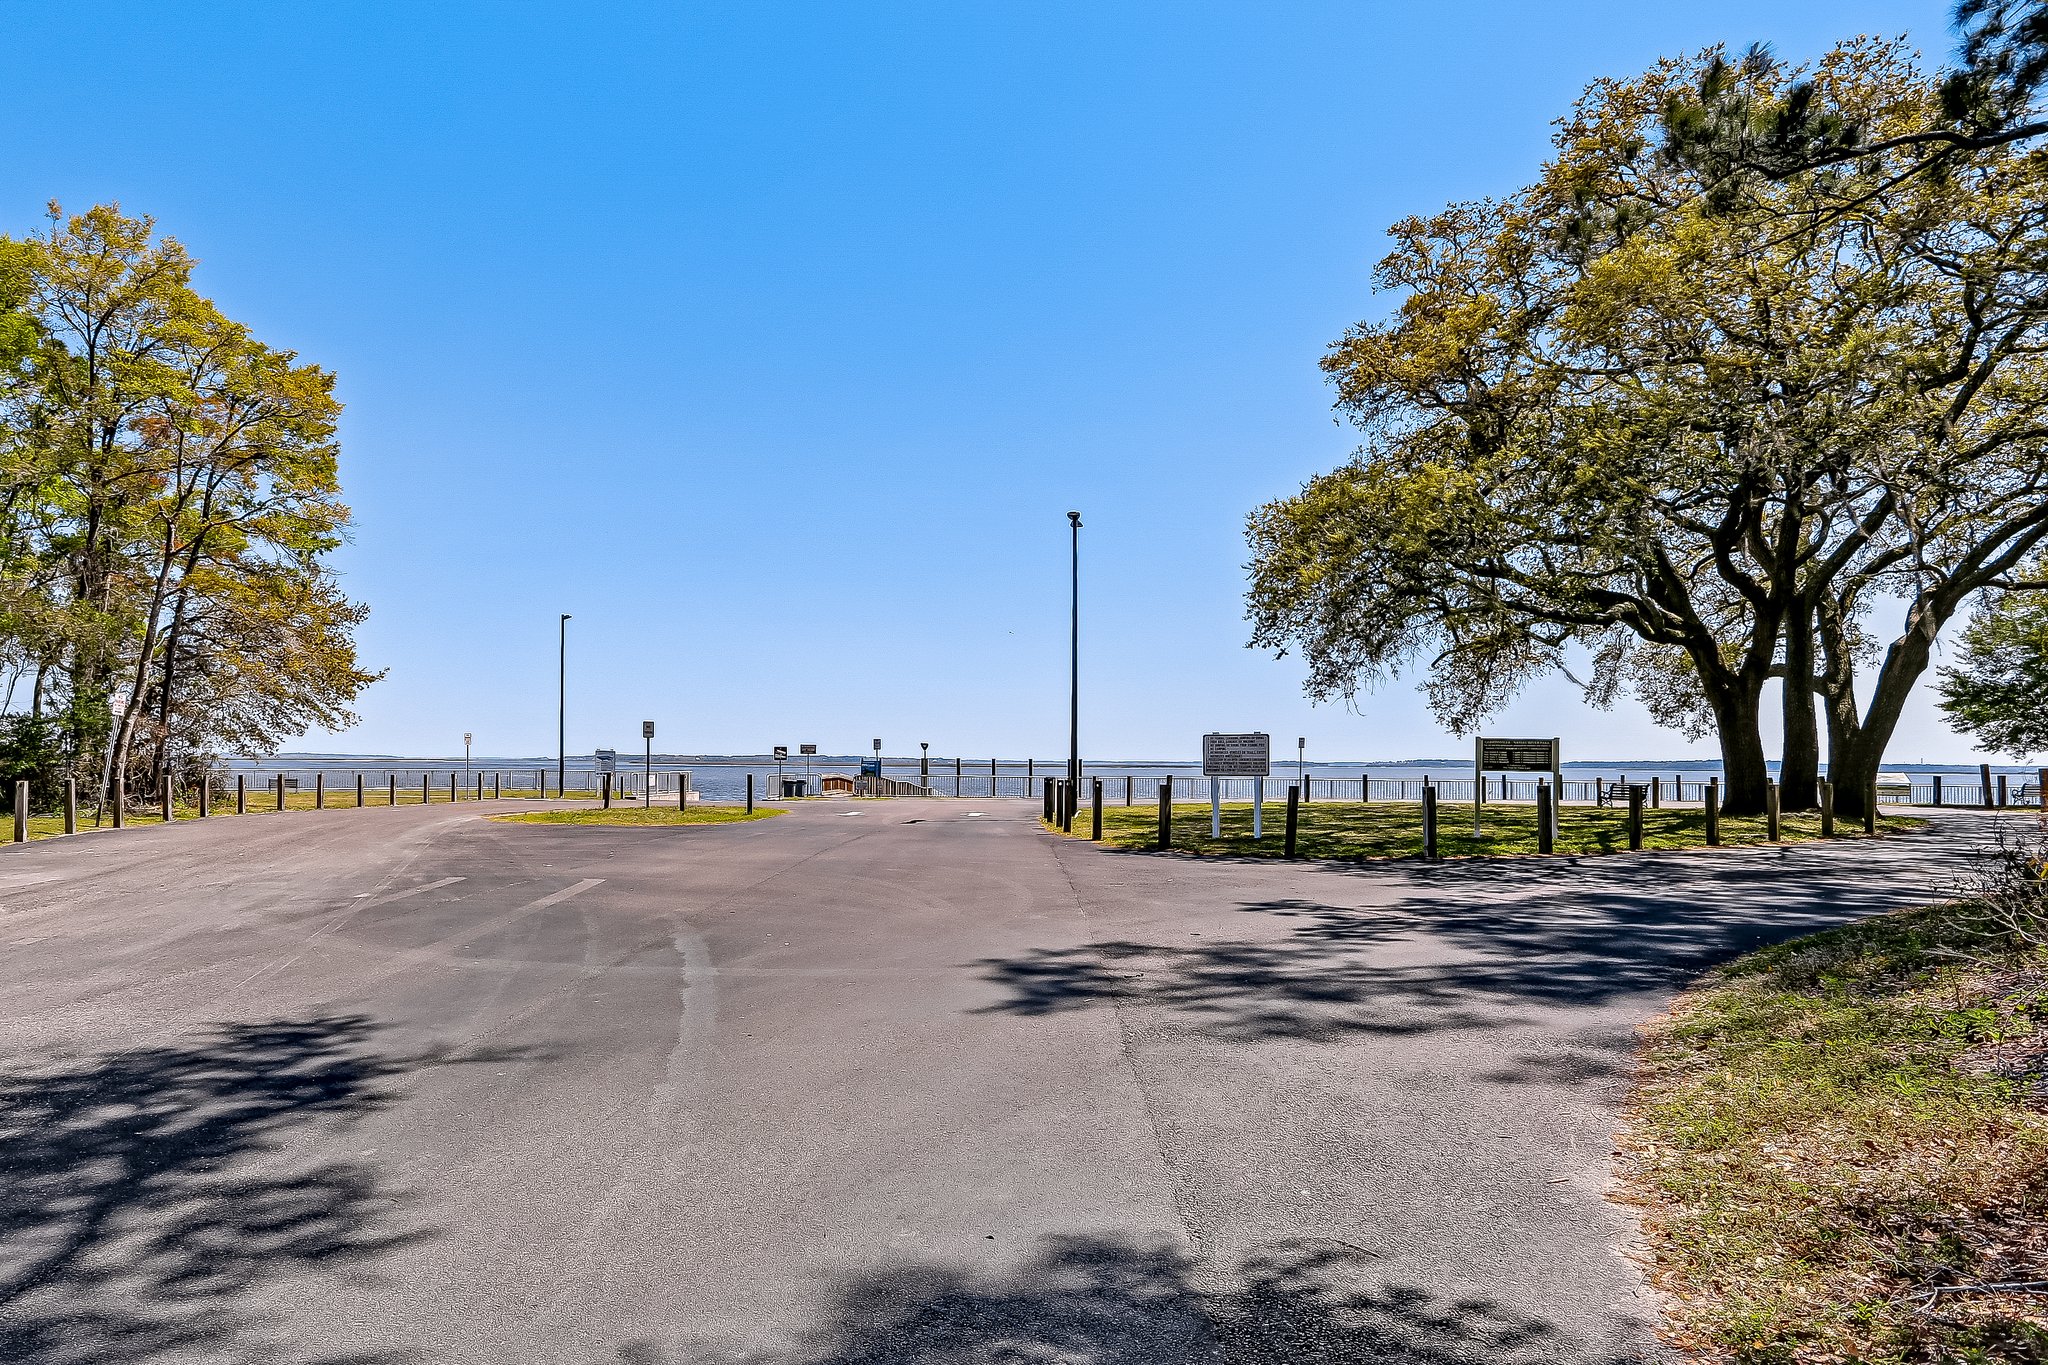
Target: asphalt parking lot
x,y
907,1081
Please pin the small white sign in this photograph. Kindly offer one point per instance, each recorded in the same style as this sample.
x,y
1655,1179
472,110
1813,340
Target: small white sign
x,y
1237,755
607,760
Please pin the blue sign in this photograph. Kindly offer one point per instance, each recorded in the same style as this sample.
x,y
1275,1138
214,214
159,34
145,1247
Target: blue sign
x,y
871,767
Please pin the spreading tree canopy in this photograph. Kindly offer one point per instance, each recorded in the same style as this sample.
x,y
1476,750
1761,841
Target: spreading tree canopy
x,y
1699,441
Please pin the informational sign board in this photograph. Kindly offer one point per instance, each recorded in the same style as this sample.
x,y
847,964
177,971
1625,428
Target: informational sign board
x,y
647,729
807,749
1237,755
608,760
781,752
871,767
1518,755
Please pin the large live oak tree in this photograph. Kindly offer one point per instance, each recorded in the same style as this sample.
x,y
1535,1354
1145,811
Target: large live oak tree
x,y
1704,438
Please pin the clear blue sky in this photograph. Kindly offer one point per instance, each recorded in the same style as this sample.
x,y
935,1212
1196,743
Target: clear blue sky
x,y
773,341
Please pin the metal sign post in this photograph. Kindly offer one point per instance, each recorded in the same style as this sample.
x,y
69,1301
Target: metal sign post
x,y
1248,755
1516,756
781,757
878,767
647,773
807,750
465,755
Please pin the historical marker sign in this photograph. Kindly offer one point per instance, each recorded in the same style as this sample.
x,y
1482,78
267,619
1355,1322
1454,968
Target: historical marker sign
x,y
607,760
1518,755
1237,755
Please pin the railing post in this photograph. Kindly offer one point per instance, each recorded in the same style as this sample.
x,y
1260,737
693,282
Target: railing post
x,y
71,805
1429,821
241,793
1096,833
1293,817
1712,801
1166,814
1827,809
1635,817
21,812
1544,842
1771,811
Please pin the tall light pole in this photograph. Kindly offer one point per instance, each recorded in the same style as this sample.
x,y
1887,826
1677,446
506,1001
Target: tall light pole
x,y
1074,670
562,717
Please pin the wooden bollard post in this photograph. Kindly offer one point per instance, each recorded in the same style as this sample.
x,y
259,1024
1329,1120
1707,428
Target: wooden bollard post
x,y
452,798
1657,793
1128,780
1048,801
71,805
497,786
1293,817
1072,806
205,795
1771,811
426,789
359,791
1937,789
390,789
1096,832
164,798
21,812
604,790
479,786
2001,790
750,792
1635,817
319,791
1712,800
1429,821
1984,784
280,791
1166,815
1544,842
1364,788
241,793
1827,809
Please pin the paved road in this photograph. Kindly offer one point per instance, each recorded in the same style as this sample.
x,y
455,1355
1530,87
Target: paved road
x,y
899,1082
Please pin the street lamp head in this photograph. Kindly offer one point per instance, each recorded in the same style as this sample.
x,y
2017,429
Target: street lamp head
x,y
1074,518
922,745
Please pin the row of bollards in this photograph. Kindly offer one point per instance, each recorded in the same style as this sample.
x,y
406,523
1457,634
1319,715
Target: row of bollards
x,y
1059,811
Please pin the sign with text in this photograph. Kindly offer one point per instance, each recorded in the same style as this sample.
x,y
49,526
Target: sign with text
x,y
781,752
871,767
807,748
1517,755
1237,755
607,760
647,729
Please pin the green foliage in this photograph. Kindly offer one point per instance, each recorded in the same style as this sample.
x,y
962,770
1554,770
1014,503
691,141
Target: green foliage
x,y
1997,689
169,494
32,750
643,816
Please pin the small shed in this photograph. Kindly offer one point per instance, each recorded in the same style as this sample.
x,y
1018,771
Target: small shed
x,y
832,783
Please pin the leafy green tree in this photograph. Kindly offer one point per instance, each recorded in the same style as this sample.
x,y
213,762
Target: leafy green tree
x,y
1997,689
1688,434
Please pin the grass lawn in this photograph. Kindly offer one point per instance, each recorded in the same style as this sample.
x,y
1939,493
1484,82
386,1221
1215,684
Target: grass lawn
x,y
1393,829
641,815
1828,1131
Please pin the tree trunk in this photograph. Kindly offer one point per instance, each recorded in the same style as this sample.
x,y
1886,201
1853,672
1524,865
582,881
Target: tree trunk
x,y
1856,743
1799,768
1745,773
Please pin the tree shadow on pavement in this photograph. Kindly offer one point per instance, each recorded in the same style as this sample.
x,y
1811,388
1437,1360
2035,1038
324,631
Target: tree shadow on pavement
x,y
1104,1301
144,1192
1478,945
